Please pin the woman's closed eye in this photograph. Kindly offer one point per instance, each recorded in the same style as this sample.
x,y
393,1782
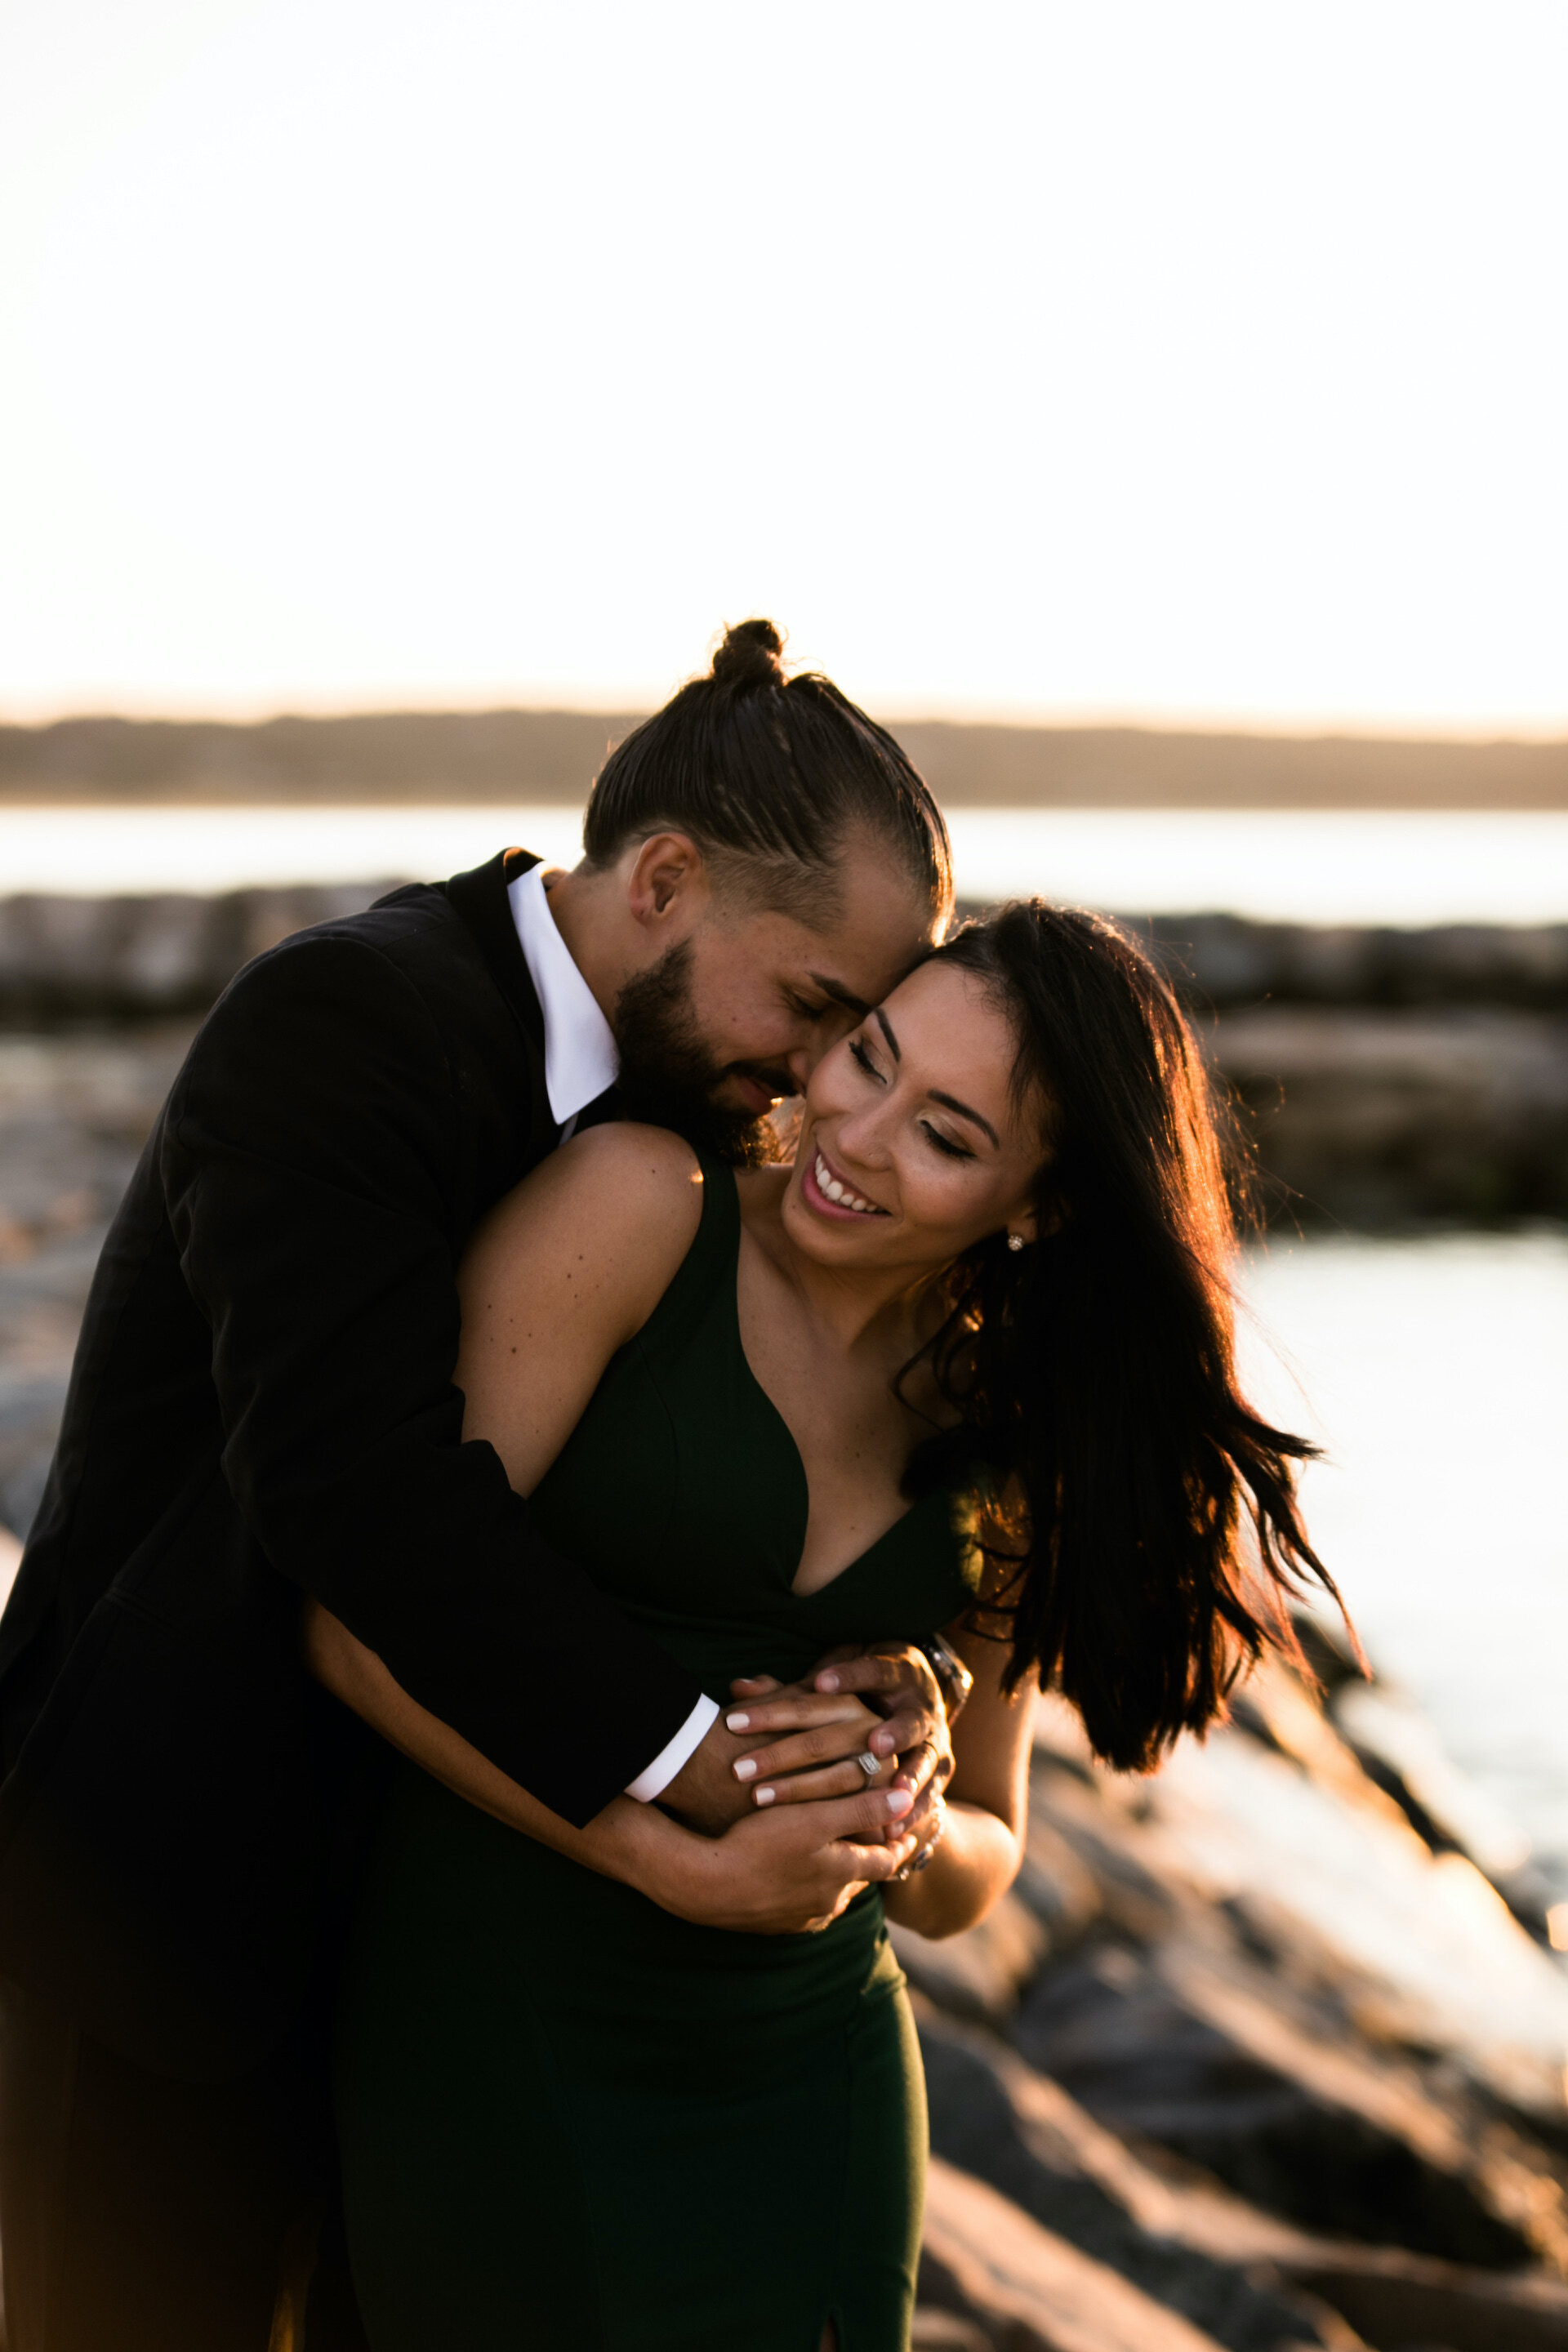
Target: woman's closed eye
x,y
947,1145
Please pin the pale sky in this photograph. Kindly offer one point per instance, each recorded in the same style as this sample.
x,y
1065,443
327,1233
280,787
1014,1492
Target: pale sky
x,y
1170,360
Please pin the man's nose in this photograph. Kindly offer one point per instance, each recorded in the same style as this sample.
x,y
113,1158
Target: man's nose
x,y
800,1062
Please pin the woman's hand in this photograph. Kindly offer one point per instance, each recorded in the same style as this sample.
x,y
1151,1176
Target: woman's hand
x,y
883,1703
826,1730
923,1829
777,1872
968,1837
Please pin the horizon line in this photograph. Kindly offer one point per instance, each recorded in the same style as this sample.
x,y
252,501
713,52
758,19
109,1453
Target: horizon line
x,y
1264,726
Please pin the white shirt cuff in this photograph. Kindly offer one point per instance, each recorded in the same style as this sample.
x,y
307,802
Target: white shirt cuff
x,y
657,1778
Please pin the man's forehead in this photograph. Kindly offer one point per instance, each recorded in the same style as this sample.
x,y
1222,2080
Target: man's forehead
x,y
862,953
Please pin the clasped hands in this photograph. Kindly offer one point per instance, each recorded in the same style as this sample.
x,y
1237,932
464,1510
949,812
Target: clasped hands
x,y
791,1825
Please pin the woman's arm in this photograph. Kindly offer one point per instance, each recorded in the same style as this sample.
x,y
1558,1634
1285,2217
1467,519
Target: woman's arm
x,y
987,1804
559,1276
769,1874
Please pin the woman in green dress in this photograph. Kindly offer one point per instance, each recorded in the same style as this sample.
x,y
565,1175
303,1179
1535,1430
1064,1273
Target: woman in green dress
x,y
965,1365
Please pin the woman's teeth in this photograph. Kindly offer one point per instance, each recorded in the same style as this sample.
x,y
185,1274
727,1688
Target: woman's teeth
x,y
827,1183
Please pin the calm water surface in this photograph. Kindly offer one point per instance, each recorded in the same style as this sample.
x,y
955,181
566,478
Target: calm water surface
x,y
1436,1374
1287,865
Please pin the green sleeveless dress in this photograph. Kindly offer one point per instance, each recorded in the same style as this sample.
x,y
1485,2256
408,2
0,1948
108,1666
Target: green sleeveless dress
x,y
571,2122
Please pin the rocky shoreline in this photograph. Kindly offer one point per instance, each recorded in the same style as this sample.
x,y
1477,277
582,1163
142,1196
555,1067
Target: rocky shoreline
x,y
1248,2059
1380,1077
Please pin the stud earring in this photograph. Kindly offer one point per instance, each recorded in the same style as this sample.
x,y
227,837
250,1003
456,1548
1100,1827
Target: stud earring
x,y
1015,1241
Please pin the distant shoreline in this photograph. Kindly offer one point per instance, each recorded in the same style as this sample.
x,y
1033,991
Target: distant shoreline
x,y
522,757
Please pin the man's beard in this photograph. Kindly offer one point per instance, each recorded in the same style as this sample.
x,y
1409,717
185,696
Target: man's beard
x,y
670,1078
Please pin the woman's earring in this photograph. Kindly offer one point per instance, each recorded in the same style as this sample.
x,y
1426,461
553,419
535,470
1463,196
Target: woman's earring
x,y
1015,1241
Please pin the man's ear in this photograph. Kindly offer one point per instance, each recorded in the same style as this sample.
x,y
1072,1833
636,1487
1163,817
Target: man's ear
x,y
667,886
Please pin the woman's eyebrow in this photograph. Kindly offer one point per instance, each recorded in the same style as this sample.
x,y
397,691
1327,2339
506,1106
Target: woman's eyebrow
x,y
951,1102
948,1102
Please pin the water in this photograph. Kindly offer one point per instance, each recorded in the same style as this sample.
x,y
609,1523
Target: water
x,y
1434,1374
1285,864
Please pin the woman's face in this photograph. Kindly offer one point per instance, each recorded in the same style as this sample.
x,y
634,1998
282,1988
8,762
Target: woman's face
x,y
911,1148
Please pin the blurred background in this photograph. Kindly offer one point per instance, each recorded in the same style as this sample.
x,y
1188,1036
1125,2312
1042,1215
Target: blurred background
x,y
1153,413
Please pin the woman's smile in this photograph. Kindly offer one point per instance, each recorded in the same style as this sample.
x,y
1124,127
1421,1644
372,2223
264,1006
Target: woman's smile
x,y
830,1193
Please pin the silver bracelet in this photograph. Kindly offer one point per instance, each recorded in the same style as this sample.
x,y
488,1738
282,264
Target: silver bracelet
x,y
953,1678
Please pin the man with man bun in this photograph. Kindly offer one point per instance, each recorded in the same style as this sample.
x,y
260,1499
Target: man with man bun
x,y
262,1406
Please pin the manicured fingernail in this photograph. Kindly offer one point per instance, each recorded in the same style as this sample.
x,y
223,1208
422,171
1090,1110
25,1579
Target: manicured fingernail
x,y
828,1682
765,1796
880,1743
738,1722
899,1801
746,1769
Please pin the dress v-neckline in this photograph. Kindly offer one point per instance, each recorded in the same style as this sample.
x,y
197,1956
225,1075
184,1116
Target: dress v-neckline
x,y
798,1460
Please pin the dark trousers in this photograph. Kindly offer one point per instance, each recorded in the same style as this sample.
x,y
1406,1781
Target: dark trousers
x,y
139,2214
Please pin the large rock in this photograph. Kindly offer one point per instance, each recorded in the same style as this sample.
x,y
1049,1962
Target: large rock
x,y
980,1974
1224,961
1275,2064
63,957
1371,1116
1337,1893
1173,2049
1247,2277
1026,2288
1191,2248
1399,2301
1287,1987
74,1114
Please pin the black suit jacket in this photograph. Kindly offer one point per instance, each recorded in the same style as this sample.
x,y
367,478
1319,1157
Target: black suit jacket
x,y
262,1401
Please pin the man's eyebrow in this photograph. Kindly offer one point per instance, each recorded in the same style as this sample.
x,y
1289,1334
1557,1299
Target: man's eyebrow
x,y
840,994
951,1102
886,1029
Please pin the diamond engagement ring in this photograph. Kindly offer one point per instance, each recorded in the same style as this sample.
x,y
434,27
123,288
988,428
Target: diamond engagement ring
x,y
870,1765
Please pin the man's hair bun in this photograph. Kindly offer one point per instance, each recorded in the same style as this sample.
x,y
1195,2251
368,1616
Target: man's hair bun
x,y
769,776
750,655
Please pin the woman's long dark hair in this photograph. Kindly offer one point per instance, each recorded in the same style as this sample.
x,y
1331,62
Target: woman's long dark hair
x,y
1152,1532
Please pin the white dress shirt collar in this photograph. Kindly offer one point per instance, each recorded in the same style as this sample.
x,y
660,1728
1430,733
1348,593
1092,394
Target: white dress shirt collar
x,y
579,1055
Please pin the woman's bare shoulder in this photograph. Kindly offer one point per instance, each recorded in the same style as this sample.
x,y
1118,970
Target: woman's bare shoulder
x,y
633,1174
613,1212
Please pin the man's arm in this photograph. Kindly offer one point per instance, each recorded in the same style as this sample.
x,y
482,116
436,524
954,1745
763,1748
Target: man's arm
x,y
771,1874
312,1163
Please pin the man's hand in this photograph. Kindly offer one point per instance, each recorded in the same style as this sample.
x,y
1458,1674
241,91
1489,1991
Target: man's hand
x,y
780,1872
